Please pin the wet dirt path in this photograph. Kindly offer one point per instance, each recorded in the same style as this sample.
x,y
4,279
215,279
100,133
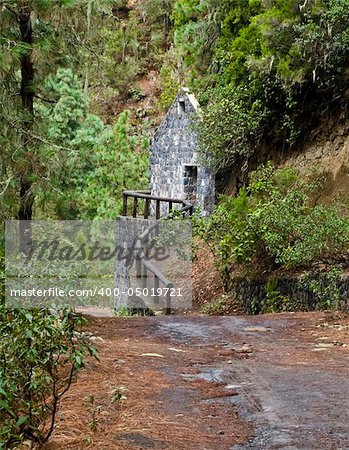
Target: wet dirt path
x,y
194,382
294,385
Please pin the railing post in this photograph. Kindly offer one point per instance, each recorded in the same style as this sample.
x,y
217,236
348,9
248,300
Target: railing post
x,y
168,308
157,212
138,267
142,266
124,205
146,208
156,287
144,276
135,205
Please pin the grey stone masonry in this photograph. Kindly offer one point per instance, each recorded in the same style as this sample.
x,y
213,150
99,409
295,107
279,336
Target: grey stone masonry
x,y
174,167
291,294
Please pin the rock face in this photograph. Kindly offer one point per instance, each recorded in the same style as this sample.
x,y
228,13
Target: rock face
x,y
175,170
326,153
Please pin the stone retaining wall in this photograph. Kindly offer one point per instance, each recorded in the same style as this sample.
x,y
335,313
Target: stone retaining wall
x,y
290,294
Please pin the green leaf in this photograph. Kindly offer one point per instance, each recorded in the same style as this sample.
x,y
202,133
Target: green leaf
x,y
22,420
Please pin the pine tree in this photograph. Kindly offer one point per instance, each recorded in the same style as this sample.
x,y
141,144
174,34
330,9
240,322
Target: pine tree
x,y
37,37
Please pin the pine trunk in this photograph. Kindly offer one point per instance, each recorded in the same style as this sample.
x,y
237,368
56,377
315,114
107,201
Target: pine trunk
x,y
26,197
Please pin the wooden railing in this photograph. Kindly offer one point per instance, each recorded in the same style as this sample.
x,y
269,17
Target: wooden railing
x,y
143,266
186,208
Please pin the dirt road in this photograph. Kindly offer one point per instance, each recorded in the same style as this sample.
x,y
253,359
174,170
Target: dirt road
x,y
263,382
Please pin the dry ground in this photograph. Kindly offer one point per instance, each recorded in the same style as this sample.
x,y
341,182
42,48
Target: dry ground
x,y
198,382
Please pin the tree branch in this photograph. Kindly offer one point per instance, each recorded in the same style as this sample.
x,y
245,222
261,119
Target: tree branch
x,y
45,99
7,185
10,9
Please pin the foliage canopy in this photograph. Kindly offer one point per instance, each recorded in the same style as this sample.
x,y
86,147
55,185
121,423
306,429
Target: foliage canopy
x,y
289,58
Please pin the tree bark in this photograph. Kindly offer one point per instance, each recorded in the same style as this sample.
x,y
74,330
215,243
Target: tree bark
x,y
26,196
88,35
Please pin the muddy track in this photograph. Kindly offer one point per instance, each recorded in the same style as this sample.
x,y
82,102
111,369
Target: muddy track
x,y
266,382
293,387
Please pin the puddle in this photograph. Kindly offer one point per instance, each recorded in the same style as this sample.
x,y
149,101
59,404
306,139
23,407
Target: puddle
x,y
137,439
256,329
211,375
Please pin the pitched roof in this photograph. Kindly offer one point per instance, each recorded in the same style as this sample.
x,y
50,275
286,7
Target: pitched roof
x,y
191,97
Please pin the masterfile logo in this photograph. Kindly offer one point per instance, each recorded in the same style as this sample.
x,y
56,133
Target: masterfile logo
x,y
86,263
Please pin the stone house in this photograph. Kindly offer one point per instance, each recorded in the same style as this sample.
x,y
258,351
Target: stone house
x,y
175,170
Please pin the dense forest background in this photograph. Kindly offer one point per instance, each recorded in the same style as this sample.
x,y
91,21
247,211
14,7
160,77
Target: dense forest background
x,y
84,84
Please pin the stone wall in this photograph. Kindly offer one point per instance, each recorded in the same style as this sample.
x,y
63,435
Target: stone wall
x,y
293,295
173,153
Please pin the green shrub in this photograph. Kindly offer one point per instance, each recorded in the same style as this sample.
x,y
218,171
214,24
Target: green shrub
x,y
39,355
274,301
324,286
273,225
230,127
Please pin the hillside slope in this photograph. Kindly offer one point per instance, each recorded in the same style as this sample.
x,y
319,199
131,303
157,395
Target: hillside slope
x,y
326,152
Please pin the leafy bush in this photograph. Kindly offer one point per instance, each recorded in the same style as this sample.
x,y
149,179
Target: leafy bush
x,y
274,301
324,286
39,355
273,225
230,127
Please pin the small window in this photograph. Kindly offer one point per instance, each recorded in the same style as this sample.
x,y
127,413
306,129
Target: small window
x,y
190,179
181,106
